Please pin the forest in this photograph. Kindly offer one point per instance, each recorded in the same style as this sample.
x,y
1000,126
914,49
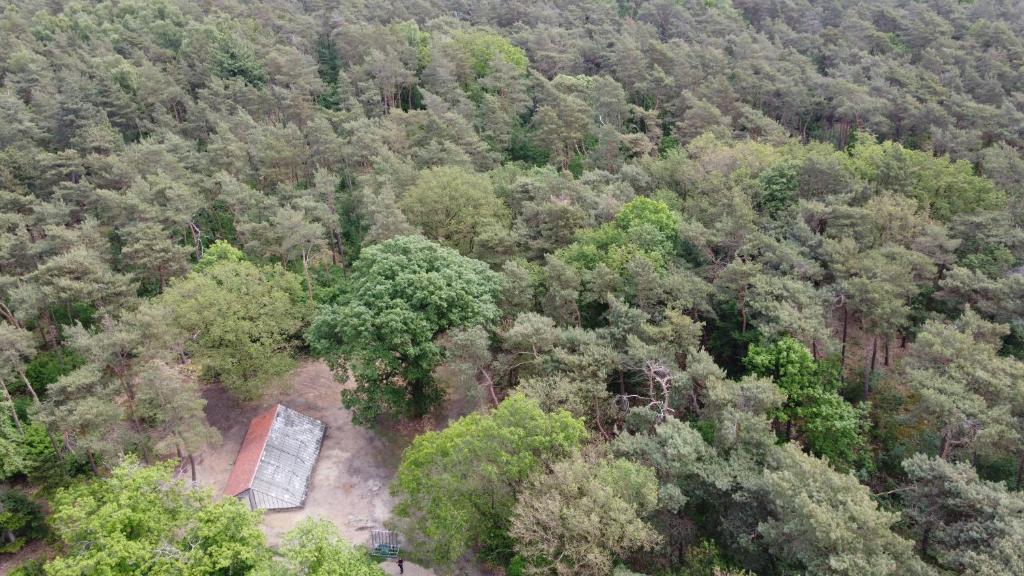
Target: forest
x,y
725,287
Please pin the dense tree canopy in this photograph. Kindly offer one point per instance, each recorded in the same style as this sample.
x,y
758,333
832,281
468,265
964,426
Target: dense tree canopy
x,y
403,293
457,487
769,252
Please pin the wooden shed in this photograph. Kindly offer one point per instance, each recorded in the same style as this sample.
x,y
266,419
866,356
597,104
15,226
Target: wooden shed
x,y
276,461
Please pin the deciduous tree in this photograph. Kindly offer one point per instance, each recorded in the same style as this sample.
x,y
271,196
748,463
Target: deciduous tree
x,y
401,295
457,487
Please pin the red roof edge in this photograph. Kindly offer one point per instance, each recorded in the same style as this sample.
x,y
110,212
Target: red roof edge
x,y
250,453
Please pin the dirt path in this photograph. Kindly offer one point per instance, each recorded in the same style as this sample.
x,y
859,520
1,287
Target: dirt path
x,y
37,550
350,483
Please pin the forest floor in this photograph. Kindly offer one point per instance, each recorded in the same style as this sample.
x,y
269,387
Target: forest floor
x,y
38,550
350,482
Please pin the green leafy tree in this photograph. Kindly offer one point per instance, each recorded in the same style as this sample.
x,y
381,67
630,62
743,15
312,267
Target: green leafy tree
x,y
453,206
402,294
141,521
944,187
314,548
583,515
457,487
12,437
241,319
643,228
831,426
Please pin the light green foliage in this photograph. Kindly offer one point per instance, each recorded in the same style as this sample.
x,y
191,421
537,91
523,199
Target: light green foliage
x,y
141,521
830,426
779,189
943,187
643,228
453,206
242,318
401,295
583,514
646,212
457,487
12,458
483,48
314,548
219,251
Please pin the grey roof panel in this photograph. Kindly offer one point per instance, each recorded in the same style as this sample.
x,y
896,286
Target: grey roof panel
x,y
289,456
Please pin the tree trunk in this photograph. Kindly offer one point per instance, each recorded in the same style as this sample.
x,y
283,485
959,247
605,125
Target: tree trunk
x,y
869,367
192,465
1020,471
35,398
196,241
7,315
743,310
842,353
886,363
133,417
28,385
47,329
874,353
337,249
309,281
14,409
490,385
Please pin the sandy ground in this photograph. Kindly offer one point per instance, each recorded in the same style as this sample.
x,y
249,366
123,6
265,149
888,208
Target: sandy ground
x,y
37,550
349,486
350,483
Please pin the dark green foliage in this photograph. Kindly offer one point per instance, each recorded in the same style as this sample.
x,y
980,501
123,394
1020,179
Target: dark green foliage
x,y
47,366
401,295
21,521
727,341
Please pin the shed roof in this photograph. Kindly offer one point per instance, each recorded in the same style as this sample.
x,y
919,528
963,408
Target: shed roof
x,y
277,456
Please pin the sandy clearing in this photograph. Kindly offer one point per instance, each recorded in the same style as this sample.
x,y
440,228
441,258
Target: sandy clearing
x,y
350,483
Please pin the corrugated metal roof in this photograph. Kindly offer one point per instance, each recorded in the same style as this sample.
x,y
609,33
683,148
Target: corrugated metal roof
x,y
250,453
288,446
